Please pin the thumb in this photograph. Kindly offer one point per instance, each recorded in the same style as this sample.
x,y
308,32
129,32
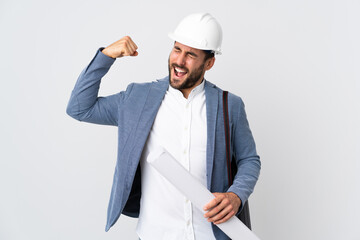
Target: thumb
x,y
134,54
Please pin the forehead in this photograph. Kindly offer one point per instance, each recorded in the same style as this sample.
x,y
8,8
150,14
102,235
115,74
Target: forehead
x,y
186,48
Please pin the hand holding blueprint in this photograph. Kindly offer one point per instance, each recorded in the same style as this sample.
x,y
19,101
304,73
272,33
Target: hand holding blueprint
x,y
198,194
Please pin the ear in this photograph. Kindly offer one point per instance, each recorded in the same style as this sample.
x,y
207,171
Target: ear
x,y
209,63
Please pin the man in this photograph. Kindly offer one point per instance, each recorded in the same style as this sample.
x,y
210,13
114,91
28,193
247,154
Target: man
x,y
182,113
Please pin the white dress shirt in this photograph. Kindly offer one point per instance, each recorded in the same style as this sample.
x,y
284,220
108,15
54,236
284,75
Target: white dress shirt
x,y
180,127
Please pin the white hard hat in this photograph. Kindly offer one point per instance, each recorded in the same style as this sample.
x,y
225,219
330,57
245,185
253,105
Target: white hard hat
x,y
199,30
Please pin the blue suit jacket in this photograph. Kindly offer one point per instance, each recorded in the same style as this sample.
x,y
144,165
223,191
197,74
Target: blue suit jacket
x,y
133,111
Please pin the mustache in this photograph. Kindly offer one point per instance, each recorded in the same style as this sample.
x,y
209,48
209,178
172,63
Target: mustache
x,y
178,66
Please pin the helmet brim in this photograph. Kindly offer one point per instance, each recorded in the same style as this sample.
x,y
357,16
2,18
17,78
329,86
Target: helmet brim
x,y
192,43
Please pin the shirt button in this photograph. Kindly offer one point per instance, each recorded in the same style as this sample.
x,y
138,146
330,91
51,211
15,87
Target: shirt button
x,y
188,222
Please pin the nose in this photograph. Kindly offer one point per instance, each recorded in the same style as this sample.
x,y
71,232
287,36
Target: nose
x,y
181,59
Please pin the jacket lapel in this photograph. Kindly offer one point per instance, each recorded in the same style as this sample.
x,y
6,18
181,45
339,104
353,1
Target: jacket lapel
x,y
212,103
152,104
148,113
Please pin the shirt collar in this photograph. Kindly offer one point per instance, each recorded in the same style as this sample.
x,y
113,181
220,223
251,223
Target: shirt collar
x,y
198,89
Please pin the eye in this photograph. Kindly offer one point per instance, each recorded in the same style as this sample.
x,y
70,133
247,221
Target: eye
x,y
192,55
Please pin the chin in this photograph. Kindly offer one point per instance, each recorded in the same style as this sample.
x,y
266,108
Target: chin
x,y
175,83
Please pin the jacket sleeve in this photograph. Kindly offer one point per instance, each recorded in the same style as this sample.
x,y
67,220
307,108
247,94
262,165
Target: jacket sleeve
x,y
84,103
244,149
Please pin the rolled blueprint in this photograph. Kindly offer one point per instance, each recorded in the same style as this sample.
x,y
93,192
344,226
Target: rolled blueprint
x,y
197,193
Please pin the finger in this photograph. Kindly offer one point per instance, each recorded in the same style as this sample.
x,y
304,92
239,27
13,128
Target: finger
x,y
128,50
135,54
131,44
134,44
131,48
214,211
214,202
225,218
221,214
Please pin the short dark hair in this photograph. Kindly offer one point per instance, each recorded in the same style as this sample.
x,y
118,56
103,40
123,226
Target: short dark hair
x,y
208,54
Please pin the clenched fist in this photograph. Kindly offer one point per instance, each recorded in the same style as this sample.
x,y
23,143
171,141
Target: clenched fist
x,y
124,47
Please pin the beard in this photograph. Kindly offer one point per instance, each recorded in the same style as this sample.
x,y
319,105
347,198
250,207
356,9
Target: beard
x,y
190,81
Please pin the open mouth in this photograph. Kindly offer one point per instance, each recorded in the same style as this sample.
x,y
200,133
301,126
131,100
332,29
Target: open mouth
x,y
179,72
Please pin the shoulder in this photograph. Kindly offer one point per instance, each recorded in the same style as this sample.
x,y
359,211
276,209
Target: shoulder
x,y
235,102
141,89
235,106
145,85
233,99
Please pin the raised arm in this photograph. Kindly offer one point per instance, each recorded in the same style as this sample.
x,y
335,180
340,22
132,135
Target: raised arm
x,y
84,103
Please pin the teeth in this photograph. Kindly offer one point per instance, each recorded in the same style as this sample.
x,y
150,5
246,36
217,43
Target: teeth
x,y
179,70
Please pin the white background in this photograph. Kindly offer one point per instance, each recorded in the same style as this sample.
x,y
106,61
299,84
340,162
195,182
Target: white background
x,y
294,63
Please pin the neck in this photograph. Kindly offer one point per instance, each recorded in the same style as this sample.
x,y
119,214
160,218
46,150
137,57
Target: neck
x,y
186,91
